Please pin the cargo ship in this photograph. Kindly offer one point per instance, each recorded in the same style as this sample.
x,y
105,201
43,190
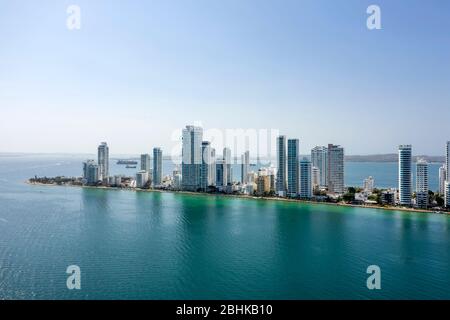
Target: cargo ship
x,y
127,162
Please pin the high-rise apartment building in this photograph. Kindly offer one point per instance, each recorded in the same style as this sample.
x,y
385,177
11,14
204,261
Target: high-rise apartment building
x,y
103,161
293,159
306,189
405,174
206,166
145,162
281,162
221,173
245,166
368,184
422,184
335,167
90,172
191,158
315,178
442,179
157,166
228,163
319,159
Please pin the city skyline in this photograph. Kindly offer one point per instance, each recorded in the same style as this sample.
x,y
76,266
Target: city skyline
x,y
201,171
307,69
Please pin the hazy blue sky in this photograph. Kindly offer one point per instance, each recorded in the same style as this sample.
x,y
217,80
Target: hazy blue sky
x,y
138,70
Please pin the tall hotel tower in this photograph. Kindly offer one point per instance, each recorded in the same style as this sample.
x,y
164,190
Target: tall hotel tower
x,y
103,161
319,156
335,169
281,160
405,174
157,166
293,167
245,165
191,158
422,184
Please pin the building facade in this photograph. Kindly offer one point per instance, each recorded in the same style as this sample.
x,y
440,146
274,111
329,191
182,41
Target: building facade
x,y
191,158
228,162
405,174
206,166
145,162
281,161
221,174
103,161
442,179
335,167
293,159
141,179
245,167
315,178
369,184
90,172
319,159
306,188
157,166
422,184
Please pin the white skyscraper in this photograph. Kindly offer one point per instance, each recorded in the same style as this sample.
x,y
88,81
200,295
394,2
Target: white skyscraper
x,y
405,174
103,161
157,166
191,158
442,178
305,179
245,166
422,184
281,161
145,162
319,156
335,169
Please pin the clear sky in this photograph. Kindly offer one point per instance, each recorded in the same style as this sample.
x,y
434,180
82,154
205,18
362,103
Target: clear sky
x,y
138,70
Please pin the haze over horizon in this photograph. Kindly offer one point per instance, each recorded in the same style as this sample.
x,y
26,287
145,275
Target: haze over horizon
x,y
135,73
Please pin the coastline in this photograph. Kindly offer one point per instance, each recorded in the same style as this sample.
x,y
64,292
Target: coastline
x,y
241,196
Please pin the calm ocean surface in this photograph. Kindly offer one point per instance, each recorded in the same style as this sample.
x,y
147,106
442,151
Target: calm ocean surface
x,y
139,245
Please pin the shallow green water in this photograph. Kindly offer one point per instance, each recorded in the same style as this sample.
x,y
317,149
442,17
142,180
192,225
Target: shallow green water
x,y
136,245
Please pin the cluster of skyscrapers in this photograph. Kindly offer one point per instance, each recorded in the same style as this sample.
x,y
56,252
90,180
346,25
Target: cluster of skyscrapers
x,y
149,176
405,178
98,172
293,177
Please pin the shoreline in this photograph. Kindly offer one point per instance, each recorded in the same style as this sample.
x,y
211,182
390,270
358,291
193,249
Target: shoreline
x,y
240,196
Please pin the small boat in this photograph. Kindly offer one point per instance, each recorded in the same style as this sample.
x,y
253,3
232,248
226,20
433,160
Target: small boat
x,y
130,167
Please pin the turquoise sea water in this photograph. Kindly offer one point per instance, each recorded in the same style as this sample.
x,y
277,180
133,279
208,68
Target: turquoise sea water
x,y
139,245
